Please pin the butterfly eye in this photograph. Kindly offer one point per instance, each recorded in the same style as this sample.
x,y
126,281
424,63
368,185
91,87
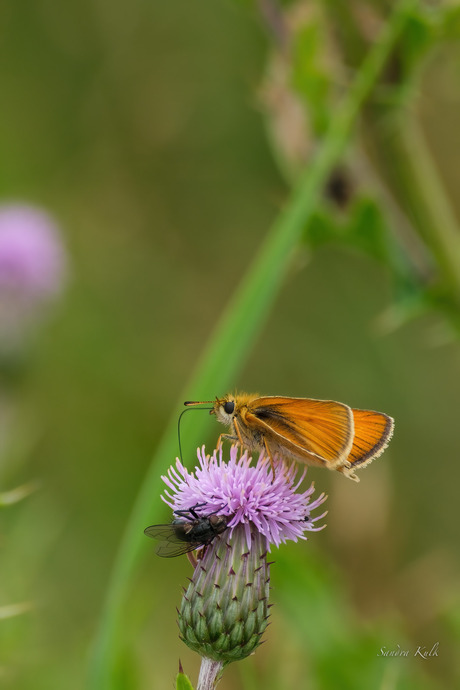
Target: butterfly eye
x,y
229,407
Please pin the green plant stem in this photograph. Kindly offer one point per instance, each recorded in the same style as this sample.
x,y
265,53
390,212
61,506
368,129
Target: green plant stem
x,y
210,672
407,165
239,326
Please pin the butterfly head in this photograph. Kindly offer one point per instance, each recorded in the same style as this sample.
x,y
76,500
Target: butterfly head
x,y
225,409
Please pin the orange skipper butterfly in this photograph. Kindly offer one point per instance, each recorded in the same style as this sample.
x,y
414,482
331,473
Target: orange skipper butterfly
x,y
324,433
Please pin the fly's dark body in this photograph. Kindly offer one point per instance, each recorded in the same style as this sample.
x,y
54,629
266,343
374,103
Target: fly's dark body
x,y
187,532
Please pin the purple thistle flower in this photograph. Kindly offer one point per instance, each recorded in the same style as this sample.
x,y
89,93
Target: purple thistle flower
x,y
225,609
252,494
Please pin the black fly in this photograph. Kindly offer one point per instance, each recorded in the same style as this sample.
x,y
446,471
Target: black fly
x,y
187,532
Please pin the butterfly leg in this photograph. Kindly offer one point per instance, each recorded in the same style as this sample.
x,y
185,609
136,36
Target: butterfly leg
x,y
227,437
270,456
238,433
232,438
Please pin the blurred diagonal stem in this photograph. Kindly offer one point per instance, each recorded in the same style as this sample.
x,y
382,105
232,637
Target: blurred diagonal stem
x,y
240,324
406,163
401,157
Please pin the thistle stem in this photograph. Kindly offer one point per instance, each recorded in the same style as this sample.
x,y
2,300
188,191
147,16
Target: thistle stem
x,y
210,671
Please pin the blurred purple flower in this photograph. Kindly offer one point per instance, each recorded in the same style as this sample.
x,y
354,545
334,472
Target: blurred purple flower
x,y
32,266
253,495
32,258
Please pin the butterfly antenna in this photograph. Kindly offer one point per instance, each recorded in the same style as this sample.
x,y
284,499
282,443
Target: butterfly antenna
x,y
179,420
189,403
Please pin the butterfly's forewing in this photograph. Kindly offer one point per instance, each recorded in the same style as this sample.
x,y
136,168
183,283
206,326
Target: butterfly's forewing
x,y
320,428
373,431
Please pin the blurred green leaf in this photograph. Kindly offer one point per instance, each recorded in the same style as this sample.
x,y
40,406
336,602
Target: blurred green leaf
x,y
363,228
417,39
404,65
321,229
309,77
367,228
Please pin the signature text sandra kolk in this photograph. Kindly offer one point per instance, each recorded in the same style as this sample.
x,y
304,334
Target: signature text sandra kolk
x,y
422,651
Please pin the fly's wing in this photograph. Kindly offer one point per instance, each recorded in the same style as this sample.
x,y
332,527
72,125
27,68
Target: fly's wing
x,y
160,532
373,432
322,429
168,549
170,545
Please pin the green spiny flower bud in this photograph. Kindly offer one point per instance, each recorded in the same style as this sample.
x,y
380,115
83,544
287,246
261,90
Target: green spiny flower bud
x,y
225,608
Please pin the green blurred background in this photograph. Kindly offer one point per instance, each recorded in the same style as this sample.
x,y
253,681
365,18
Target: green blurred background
x,y
140,128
